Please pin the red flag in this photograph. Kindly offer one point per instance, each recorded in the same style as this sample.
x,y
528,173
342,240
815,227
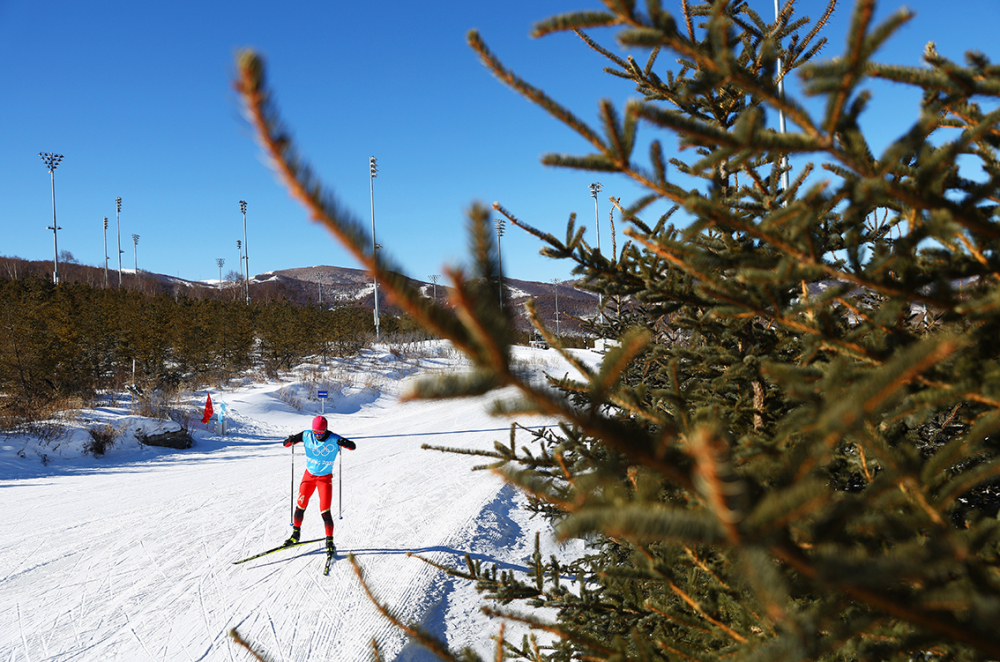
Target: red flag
x,y
208,409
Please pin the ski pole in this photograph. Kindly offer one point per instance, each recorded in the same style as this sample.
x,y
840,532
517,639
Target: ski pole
x,y
291,492
340,489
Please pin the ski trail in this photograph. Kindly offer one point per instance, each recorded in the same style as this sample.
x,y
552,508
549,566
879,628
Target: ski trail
x,y
133,560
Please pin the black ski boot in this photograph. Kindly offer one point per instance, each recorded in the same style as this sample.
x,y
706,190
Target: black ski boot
x,y
295,536
330,549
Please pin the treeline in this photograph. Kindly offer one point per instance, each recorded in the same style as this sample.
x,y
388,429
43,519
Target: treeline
x,y
74,341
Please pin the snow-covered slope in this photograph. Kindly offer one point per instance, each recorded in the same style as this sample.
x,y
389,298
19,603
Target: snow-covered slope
x,y
130,556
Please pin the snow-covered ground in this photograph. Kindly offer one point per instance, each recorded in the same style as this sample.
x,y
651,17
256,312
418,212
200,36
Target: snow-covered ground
x,y
130,556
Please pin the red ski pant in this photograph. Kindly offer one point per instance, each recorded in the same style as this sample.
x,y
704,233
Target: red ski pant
x,y
323,485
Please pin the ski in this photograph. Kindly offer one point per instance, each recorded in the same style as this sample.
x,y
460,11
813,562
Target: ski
x,y
277,549
329,562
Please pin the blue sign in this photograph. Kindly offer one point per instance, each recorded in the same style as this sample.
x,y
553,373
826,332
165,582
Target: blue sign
x,y
321,394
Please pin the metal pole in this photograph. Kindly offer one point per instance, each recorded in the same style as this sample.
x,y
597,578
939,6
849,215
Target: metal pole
x,y
595,188
54,228
340,489
291,514
135,253
781,113
246,247
105,252
500,224
118,222
373,167
51,161
239,248
555,284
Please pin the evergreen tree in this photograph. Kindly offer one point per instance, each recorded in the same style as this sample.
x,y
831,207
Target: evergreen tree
x,y
792,453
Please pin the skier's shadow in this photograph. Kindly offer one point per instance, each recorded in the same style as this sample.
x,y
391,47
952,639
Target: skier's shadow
x,y
342,555
482,558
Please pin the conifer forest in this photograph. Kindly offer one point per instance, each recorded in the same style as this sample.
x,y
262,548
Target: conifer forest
x,y
792,453
63,346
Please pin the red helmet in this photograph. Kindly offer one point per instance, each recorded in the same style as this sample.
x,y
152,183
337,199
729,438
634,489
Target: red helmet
x,y
319,425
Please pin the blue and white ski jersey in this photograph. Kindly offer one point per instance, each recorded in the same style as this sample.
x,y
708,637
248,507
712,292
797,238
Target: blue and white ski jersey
x,y
320,455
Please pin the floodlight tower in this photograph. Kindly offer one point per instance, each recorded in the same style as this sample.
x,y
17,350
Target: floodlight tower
x,y
373,168
500,223
105,252
51,161
135,252
595,188
239,249
118,222
246,247
555,286
434,279
220,261
781,113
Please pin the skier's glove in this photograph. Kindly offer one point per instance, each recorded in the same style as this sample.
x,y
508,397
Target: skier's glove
x,y
288,442
343,442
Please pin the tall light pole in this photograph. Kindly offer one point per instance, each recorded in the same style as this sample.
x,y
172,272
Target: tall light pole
x,y
555,286
373,168
595,188
434,279
135,252
220,261
239,249
118,222
51,161
500,223
246,247
105,252
781,113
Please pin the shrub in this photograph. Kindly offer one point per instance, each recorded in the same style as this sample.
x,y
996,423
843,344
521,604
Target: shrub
x,y
102,438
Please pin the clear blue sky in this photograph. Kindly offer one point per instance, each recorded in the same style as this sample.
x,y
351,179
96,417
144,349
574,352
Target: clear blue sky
x,y
138,98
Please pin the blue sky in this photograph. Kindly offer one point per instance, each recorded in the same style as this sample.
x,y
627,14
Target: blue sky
x,y
138,98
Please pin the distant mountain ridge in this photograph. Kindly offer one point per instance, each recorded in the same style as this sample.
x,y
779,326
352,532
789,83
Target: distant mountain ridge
x,y
343,284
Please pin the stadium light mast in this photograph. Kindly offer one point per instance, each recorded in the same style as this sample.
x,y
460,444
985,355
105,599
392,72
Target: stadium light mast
x,y
105,252
434,279
373,169
239,249
118,222
51,161
781,113
246,247
135,253
500,224
555,286
220,261
595,188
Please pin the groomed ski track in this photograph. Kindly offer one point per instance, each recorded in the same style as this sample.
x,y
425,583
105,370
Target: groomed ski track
x,y
134,560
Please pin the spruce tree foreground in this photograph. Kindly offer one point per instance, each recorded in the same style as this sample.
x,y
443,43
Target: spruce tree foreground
x,y
792,452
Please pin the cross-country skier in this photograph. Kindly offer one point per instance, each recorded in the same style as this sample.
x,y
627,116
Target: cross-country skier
x,y
321,447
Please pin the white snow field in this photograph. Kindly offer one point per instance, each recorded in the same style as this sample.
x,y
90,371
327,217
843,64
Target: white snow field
x,y
130,556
